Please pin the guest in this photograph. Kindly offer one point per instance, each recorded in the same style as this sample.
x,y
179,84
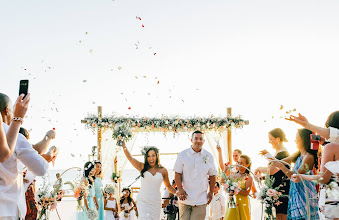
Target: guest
x,y
277,138
330,132
99,189
12,200
304,160
7,144
330,158
195,172
128,206
90,200
235,155
110,206
242,211
29,177
217,205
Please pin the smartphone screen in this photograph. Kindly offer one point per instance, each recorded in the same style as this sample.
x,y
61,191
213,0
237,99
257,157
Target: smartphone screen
x,y
23,87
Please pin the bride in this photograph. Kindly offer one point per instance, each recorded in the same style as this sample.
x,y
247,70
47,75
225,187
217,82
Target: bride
x,y
153,174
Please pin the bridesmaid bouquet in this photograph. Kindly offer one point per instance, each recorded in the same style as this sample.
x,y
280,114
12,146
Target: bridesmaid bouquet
x,y
232,187
269,196
122,132
92,214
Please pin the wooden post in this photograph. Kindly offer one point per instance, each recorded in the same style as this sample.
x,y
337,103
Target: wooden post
x,y
99,132
229,138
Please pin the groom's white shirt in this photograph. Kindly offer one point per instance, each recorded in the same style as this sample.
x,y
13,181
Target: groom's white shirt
x,y
12,195
195,169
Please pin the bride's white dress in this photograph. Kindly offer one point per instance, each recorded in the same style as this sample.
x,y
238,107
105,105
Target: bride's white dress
x,y
149,197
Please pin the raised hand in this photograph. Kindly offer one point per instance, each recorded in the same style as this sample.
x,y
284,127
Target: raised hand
x,y
21,106
219,148
302,120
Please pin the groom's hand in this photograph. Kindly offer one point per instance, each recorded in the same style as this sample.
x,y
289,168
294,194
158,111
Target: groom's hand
x,y
209,197
182,194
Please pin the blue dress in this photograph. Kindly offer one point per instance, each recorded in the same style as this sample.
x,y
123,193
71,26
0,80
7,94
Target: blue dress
x,y
297,198
99,196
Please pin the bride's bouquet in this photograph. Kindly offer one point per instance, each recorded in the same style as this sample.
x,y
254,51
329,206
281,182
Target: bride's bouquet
x,y
232,187
122,132
269,196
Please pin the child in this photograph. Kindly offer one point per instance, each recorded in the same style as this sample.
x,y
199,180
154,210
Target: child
x,y
217,205
128,205
110,203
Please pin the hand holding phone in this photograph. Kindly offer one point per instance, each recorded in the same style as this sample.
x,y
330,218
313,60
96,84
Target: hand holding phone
x,y
21,106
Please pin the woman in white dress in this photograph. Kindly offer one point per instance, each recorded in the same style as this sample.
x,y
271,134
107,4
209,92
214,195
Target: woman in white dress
x,y
153,174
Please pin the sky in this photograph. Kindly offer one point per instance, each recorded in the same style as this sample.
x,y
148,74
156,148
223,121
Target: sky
x,y
187,58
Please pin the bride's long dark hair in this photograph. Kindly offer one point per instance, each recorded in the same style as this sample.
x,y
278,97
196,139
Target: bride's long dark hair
x,y
147,166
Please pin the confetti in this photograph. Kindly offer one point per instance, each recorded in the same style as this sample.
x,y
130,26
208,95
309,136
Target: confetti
x,y
84,81
281,107
294,109
129,108
86,33
93,103
119,67
79,41
91,50
142,26
145,76
158,82
138,18
136,77
111,69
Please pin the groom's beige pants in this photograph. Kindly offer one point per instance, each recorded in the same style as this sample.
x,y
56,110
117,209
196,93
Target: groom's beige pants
x,y
188,212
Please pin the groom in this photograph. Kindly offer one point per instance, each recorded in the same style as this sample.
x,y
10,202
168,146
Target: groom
x,y
195,172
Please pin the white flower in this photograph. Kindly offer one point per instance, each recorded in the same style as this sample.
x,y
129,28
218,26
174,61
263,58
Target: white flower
x,y
205,159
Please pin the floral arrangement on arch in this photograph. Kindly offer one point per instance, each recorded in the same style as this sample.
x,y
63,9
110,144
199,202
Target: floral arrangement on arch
x,y
269,196
115,177
232,186
167,123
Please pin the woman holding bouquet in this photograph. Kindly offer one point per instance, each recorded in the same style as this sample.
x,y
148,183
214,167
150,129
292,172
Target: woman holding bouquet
x,y
153,174
277,138
242,209
305,159
91,204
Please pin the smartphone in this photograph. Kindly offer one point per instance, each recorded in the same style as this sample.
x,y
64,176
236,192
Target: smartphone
x,y
23,87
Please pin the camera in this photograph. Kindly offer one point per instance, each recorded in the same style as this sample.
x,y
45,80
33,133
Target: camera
x,y
315,140
172,208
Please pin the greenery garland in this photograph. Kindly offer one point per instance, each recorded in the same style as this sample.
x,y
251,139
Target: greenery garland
x,y
166,124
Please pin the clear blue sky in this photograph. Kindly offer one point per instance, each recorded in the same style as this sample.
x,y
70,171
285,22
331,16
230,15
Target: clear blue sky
x,y
252,56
